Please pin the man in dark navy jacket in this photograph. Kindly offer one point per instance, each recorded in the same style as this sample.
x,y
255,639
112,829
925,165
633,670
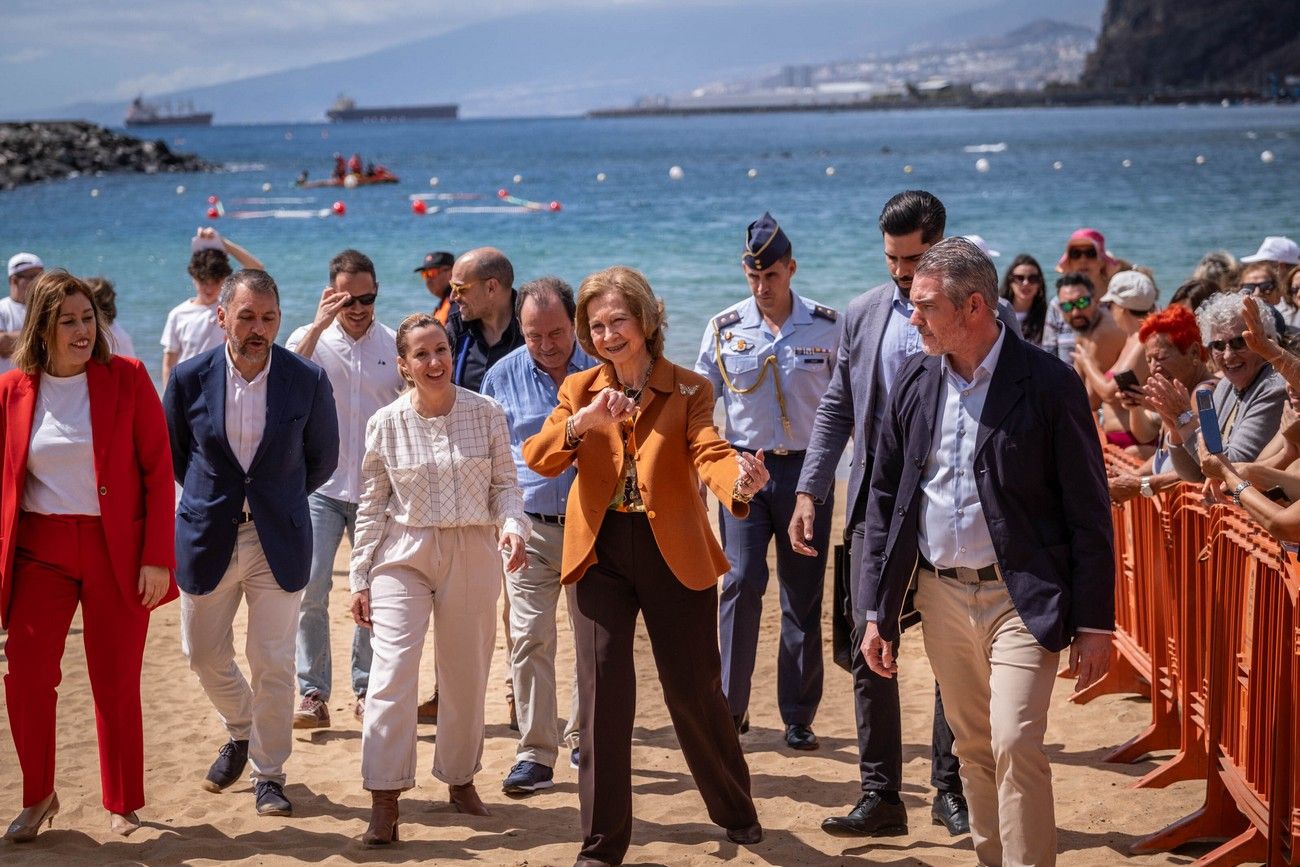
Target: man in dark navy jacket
x,y
989,492
253,432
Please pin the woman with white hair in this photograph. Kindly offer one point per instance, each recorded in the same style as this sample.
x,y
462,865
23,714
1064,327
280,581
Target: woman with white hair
x,y
1248,399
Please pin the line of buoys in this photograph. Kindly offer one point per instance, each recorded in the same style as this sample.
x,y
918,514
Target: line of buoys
x,y
215,209
504,195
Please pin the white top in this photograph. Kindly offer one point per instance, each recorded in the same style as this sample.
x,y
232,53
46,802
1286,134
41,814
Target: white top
x,y
12,317
364,376
192,329
245,412
453,470
120,342
61,454
953,529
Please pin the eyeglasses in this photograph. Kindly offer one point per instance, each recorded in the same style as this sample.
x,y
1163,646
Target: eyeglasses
x,y
459,288
1077,304
1026,278
1236,344
1261,287
1083,253
363,300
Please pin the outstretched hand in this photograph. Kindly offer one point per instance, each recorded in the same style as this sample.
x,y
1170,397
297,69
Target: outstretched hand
x,y
753,472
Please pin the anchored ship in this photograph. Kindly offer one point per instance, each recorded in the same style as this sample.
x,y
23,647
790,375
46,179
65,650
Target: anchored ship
x,y
143,113
345,110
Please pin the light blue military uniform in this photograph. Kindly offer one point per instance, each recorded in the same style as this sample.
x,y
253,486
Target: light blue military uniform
x,y
770,385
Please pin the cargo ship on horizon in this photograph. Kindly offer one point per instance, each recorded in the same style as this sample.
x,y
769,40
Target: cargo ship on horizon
x,y
141,113
345,110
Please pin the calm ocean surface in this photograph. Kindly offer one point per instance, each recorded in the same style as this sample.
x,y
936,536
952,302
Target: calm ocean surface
x,y
1164,211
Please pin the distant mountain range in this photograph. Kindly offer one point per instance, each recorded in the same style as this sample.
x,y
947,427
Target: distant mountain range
x,y
566,61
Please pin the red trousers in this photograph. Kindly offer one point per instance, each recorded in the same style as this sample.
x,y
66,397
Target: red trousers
x,y
62,560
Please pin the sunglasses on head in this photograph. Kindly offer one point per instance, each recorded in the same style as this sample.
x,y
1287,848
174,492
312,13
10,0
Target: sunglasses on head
x,y
363,300
1236,344
1083,253
1261,287
1077,304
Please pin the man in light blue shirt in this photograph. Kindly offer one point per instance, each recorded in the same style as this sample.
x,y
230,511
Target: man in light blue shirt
x,y
526,383
769,358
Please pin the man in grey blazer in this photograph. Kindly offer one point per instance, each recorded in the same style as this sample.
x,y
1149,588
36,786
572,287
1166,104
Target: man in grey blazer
x,y
877,338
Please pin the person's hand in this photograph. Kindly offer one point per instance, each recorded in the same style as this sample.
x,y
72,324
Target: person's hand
x,y
1131,398
878,653
753,472
1089,658
1290,424
332,303
1124,487
207,238
1212,491
1216,467
512,545
153,584
361,608
801,524
1256,337
610,407
1169,398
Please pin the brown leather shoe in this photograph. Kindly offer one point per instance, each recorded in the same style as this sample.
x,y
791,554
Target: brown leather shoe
x,y
427,712
383,818
28,824
123,824
465,799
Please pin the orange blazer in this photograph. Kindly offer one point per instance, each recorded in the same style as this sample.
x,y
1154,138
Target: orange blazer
x,y
133,471
675,445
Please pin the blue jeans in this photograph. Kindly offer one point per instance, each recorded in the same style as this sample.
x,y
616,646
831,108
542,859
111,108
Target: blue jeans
x,y
329,518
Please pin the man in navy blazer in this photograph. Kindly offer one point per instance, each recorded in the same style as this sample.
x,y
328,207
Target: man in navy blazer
x,y
253,432
989,494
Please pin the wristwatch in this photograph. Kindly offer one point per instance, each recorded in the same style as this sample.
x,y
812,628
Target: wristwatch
x,y
1236,492
1144,486
1184,417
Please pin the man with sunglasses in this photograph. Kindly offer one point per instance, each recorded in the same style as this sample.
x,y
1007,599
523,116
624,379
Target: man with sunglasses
x,y
24,268
484,327
436,271
1093,329
357,354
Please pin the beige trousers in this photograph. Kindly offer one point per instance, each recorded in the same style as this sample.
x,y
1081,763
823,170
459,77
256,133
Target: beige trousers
x,y
533,595
996,681
454,576
263,713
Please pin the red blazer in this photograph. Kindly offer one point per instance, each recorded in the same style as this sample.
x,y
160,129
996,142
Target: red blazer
x,y
133,471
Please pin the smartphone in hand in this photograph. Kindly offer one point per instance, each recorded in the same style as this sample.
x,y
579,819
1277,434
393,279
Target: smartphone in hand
x,y
1127,380
1210,436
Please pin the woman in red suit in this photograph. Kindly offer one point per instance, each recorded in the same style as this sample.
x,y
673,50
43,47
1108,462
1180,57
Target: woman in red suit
x,y
86,517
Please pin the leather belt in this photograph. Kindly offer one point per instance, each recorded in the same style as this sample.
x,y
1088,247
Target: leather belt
x,y
556,520
964,574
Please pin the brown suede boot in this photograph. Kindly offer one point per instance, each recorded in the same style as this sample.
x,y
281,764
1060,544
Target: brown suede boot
x,y
383,818
465,798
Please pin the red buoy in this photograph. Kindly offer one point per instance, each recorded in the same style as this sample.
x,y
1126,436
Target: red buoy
x,y
339,209
213,213
555,206
419,208
503,193
212,200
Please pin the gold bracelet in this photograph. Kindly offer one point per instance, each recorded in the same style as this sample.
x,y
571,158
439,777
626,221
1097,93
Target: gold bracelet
x,y
738,495
571,438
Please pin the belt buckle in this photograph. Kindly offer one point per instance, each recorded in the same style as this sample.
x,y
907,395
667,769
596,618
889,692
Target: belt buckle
x,y
559,520
966,575
781,452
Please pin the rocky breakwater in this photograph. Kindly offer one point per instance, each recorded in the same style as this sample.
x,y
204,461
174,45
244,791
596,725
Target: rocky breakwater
x,y
46,150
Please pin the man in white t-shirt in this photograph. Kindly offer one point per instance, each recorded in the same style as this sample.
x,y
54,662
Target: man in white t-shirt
x,y
192,326
358,354
24,268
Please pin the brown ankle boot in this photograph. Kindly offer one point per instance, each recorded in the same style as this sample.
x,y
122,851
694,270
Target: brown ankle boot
x,y
383,818
465,798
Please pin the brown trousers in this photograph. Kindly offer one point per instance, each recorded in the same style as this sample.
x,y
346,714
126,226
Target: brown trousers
x,y
630,575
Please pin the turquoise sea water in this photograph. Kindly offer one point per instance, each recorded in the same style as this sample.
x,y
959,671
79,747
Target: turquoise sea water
x,y
1164,211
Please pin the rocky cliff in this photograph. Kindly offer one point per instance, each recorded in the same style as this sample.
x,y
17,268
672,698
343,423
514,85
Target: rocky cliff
x,y
1194,43
39,151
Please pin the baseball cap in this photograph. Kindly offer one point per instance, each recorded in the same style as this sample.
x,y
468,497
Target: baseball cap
x,y
1085,236
978,241
436,259
24,262
1276,248
1131,290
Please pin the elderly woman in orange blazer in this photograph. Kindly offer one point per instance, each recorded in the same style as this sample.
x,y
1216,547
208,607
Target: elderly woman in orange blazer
x,y
637,538
86,517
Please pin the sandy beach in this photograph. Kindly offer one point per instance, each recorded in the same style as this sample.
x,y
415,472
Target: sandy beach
x,y
1098,815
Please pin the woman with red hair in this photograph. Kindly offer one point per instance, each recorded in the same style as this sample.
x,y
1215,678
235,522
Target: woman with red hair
x,y
1171,344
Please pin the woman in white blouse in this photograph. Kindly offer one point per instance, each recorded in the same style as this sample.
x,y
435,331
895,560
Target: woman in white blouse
x,y
440,509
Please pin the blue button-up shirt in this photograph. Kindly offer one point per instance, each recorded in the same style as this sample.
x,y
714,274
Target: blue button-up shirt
x,y
805,352
528,395
899,340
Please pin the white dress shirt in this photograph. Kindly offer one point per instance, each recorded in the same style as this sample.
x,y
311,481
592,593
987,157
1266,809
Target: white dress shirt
x,y
245,412
364,376
61,454
952,525
452,470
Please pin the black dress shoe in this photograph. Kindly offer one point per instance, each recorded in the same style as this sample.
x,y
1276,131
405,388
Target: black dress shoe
x,y
950,811
229,766
271,800
742,723
871,817
746,836
799,737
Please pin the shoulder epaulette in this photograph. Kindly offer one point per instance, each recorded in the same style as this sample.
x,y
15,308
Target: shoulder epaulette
x,y
730,317
825,312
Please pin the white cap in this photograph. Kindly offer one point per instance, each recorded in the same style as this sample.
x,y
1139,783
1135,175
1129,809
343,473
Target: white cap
x,y
24,262
979,241
1131,290
1275,248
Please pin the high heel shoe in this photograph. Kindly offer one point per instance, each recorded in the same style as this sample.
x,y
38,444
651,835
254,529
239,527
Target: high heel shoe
x,y
465,799
28,824
123,824
383,818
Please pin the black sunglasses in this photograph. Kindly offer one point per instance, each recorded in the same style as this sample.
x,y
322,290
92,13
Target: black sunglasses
x,y
1261,287
1083,252
1236,344
363,300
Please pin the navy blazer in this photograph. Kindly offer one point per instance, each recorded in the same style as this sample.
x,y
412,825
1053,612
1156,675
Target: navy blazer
x,y
1042,487
298,454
